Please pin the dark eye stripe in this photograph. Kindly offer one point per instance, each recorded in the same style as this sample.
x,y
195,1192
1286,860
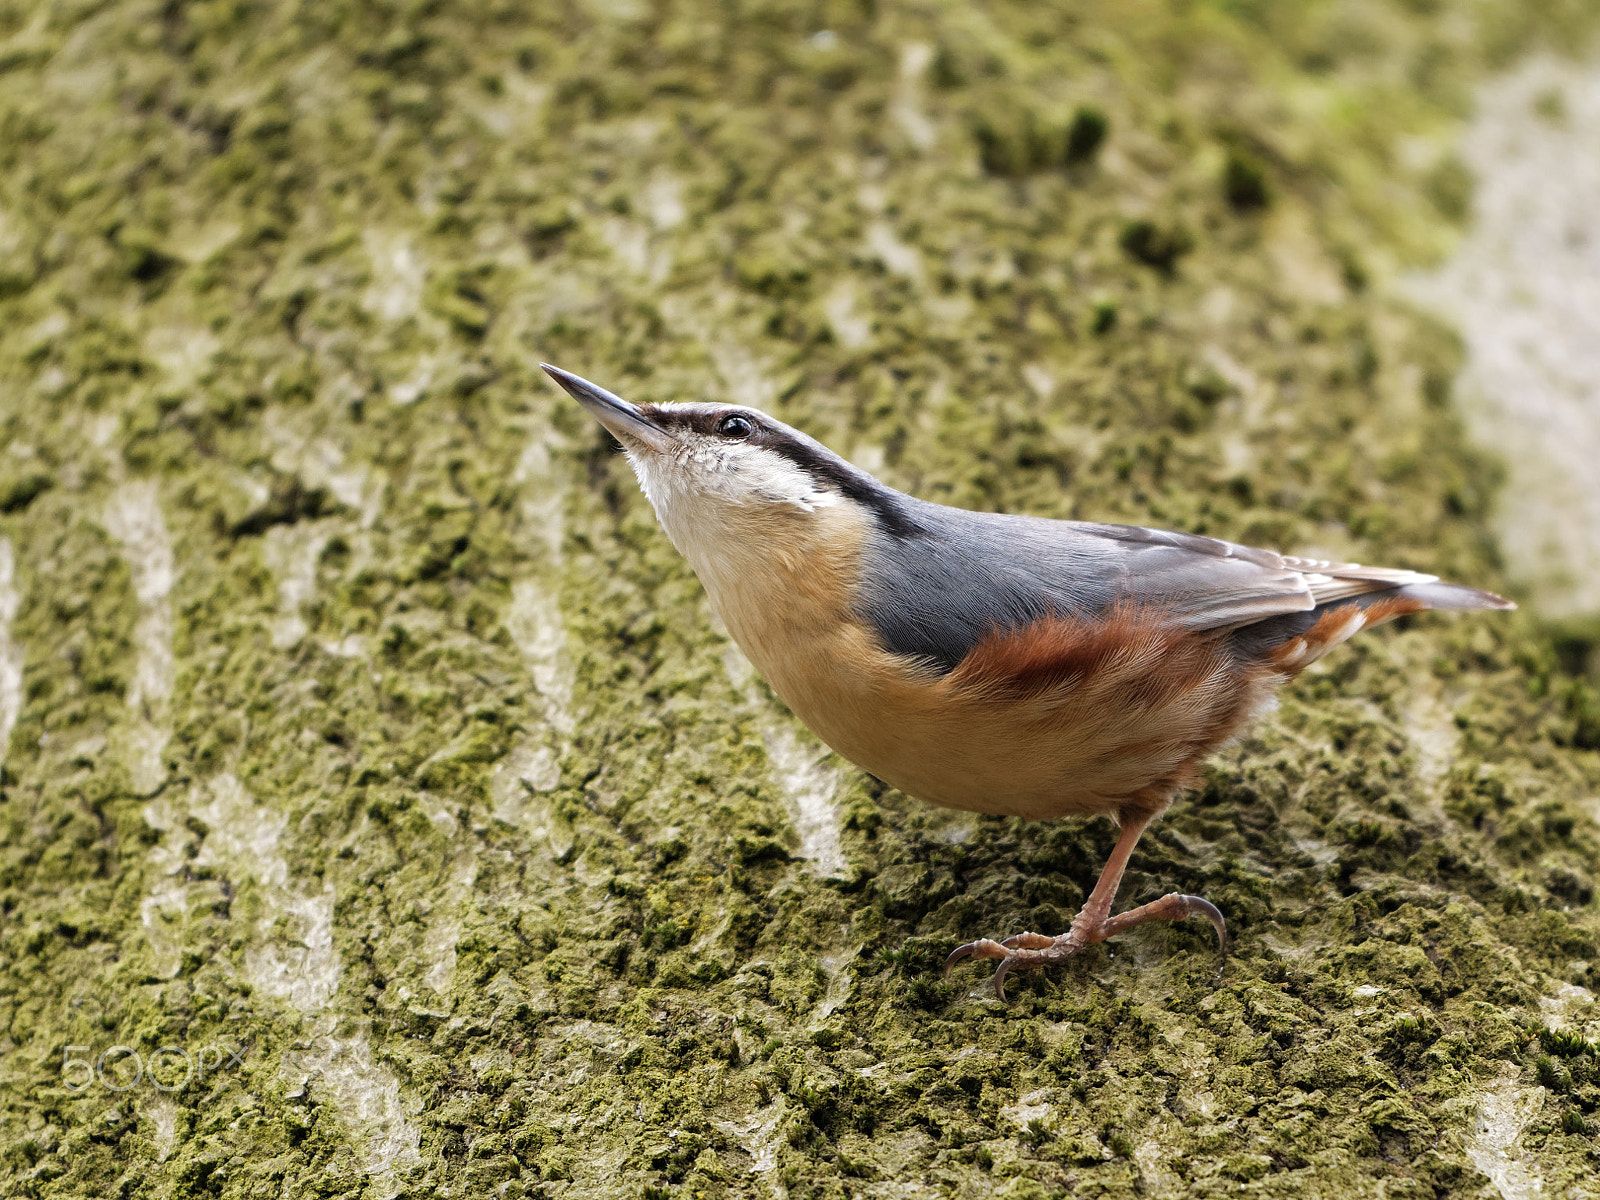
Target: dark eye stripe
x,y
697,422
822,465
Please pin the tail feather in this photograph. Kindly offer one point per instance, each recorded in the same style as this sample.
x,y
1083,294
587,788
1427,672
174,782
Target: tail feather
x,y
1294,641
1453,596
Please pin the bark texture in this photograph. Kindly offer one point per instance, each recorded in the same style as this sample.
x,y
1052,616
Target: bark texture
x,y
371,756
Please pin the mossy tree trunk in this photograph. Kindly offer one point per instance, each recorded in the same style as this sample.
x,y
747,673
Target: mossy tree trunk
x,y
373,758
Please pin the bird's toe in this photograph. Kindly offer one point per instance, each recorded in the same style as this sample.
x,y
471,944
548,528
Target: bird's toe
x,y
1022,950
1028,941
982,948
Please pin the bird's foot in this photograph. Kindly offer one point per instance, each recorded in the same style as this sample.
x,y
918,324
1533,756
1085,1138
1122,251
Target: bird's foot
x,y
1037,950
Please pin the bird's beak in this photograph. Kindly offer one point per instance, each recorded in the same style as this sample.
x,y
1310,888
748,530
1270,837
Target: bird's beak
x,y
624,420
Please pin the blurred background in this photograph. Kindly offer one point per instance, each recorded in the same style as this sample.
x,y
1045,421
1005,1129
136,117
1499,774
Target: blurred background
x,y
381,812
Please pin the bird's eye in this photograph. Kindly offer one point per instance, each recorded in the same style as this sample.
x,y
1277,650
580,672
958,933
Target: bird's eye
x,y
735,427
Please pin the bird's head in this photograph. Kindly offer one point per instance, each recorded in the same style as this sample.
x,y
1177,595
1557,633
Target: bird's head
x,y
717,471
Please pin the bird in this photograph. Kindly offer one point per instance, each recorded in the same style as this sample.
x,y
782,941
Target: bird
x,y
992,662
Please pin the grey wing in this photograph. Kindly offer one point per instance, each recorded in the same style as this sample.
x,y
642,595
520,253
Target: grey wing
x,y
1219,585
970,575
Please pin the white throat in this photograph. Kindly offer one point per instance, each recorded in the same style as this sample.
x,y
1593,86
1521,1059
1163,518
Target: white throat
x,y
745,517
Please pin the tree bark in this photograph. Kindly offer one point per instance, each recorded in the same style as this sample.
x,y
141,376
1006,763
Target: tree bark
x,y
382,812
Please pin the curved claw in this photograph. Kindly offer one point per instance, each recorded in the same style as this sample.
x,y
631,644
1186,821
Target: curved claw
x,y
1053,952
979,949
1000,974
956,955
982,948
1200,905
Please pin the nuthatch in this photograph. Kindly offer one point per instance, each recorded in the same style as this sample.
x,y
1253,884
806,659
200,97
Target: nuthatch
x,y
989,662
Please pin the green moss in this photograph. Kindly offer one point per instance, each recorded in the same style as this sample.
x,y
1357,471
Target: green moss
x,y
469,837
1244,181
1155,245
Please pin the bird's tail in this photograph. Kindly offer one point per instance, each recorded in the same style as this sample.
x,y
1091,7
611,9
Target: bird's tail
x,y
1447,596
1328,625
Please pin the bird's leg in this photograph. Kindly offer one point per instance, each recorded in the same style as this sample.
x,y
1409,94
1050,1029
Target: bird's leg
x,y
1094,922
